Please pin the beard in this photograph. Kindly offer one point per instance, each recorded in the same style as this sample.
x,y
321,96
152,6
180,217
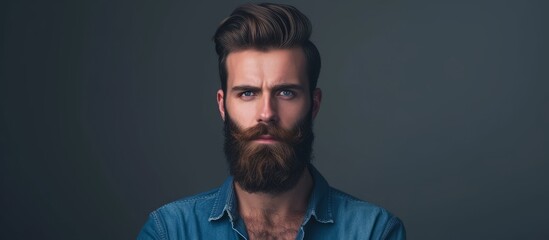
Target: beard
x,y
268,168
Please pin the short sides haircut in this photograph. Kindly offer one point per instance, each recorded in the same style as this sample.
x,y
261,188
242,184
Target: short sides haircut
x,y
262,27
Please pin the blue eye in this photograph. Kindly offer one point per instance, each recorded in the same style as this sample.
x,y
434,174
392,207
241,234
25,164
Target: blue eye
x,y
286,93
247,95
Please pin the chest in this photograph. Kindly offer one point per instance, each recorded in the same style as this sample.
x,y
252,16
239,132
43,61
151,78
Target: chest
x,y
266,229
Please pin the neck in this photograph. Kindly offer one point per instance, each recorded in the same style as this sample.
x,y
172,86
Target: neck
x,y
286,204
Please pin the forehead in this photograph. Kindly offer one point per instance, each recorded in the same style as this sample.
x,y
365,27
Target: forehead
x,y
269,67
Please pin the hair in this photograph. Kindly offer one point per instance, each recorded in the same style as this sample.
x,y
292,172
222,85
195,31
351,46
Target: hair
x,y
268,168
266,26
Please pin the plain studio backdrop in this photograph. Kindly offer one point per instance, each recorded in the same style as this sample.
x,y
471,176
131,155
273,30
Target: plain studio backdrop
x,y
436,110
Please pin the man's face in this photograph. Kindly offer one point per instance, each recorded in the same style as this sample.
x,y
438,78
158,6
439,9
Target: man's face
x,y
268,113
268,87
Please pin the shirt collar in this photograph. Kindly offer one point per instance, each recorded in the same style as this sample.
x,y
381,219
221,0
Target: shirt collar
x,y
320,202
225,201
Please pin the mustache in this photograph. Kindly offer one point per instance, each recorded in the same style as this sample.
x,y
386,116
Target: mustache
x,y
291,136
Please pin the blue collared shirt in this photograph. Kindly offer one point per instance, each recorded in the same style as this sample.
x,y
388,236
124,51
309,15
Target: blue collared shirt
x,y
331,214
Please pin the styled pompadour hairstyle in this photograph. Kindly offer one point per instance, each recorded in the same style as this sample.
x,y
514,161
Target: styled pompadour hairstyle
x,y
266,26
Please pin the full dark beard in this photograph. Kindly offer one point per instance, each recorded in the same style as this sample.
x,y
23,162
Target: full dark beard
x,y
268,168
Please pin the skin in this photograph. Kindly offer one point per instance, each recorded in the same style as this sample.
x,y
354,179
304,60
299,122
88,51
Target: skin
x,y
270,87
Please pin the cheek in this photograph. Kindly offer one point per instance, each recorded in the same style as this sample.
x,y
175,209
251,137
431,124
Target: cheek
x,y
243,115
291,113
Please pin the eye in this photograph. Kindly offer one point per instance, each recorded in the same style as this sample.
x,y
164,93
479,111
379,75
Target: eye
x,y
286,93
247,95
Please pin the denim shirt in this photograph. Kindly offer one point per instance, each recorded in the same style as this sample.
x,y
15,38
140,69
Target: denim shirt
x,y
331,214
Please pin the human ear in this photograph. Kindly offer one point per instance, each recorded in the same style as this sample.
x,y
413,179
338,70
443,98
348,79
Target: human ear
x,y
317,98
221,103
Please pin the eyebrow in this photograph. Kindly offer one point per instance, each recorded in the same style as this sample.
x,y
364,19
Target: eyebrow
x,y
275,88
288,86
244,88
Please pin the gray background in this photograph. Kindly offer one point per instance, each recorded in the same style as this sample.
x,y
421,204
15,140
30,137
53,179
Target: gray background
x,y
436,110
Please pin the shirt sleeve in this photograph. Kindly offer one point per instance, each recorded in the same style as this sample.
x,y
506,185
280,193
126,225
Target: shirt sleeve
x,y
152,229
395,230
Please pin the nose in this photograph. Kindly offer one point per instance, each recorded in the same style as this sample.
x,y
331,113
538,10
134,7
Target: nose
x,y
268,110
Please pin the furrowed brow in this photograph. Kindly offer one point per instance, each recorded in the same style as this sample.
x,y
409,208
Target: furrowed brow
x,y
245,88
288,86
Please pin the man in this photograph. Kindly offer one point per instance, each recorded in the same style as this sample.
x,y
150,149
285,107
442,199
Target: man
x,y
268,101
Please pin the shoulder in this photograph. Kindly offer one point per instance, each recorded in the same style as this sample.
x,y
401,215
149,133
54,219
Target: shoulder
x,y
179,217
351,205
197,204
364,215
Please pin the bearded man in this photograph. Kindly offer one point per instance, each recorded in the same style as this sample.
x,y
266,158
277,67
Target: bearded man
x,y
268,101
